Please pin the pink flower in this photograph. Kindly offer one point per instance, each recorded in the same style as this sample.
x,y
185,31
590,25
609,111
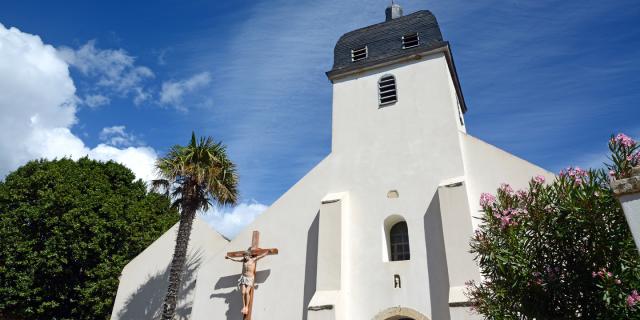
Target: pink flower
x,y
506,188
522,194
631,301
594,274
635,159
612,173
507,215
618,281
539,179
633,298
505,221
487,200
577,174
624,140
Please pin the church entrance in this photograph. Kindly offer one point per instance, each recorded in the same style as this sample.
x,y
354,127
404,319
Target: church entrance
x,y
400,313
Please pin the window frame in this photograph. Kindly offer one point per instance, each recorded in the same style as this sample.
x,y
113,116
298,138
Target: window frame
x,y
417,40
366,53
381,102
404,243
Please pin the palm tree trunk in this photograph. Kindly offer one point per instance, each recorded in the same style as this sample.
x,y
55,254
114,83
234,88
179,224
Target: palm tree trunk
x,y
178,263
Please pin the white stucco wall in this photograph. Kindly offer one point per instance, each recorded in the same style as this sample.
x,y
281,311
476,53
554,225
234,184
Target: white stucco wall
x,y
144,280
409,147
413,146
487,167
631,206
286,225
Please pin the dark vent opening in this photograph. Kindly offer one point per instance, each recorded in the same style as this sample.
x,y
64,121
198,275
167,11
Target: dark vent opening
x,y
410,40
359,54
387,90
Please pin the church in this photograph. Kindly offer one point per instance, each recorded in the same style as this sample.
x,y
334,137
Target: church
x,y
380,228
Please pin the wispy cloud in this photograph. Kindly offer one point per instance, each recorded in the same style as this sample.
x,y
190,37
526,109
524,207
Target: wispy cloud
x,y
114,70
173,91
118,137
271,99
537,78
96,100
115,73
535,75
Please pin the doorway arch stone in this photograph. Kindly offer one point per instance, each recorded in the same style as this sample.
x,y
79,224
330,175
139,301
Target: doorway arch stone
x,y
396,313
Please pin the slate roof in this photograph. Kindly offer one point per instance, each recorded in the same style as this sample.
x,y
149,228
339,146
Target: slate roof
x,y
384,40
384,44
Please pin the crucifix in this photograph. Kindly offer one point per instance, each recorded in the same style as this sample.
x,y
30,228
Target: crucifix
x,y
249,259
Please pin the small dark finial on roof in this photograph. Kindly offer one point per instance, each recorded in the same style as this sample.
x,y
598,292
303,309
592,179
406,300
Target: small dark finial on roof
x,y
393,11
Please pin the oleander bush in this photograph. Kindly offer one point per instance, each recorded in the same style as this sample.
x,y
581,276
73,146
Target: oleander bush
x,y
560,249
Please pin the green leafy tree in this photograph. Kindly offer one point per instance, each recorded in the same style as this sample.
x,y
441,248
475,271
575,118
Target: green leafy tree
x,y
561,250
67,228
194,176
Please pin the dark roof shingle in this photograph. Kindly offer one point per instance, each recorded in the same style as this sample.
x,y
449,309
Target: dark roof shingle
x,y
384,40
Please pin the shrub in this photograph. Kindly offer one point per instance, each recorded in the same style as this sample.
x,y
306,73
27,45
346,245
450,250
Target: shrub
x,y
560,250
67,229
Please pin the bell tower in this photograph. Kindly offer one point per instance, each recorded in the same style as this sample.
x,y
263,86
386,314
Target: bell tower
x,y
395,81
396,136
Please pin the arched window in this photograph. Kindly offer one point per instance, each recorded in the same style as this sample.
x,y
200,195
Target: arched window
x,y
387,91
399,242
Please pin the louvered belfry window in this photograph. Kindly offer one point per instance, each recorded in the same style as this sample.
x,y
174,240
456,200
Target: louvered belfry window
x,y
387,90
410,40
359,54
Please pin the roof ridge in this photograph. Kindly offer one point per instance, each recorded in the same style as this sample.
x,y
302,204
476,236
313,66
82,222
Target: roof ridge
x,y
396,20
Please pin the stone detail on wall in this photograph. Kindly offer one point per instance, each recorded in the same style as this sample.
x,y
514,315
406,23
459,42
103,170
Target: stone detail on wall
x,y
628,185
399,313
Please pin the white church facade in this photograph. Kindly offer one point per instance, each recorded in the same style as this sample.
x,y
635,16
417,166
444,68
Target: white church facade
x,y
380,228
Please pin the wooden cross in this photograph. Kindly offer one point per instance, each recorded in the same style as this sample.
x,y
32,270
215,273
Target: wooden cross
x,y
255,251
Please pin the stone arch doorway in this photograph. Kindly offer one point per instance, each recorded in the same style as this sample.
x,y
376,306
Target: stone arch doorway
x,y
400,313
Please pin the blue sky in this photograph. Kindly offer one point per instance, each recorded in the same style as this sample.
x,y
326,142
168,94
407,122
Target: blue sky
x,y
546,80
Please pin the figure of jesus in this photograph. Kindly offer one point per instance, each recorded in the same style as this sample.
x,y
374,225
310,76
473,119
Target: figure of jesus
x,y
247,280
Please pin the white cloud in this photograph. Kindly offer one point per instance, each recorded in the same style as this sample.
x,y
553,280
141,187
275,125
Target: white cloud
x,y
113,70
173,91
140,160
230,221
96,100
38,105
117,136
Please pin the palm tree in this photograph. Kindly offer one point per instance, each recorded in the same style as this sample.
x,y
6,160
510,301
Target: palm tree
x,y
195,177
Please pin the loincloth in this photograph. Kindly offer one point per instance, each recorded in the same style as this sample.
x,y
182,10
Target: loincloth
x,y
245,281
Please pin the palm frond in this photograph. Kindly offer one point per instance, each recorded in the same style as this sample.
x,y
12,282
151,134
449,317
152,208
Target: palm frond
x,y
199,174
160,186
